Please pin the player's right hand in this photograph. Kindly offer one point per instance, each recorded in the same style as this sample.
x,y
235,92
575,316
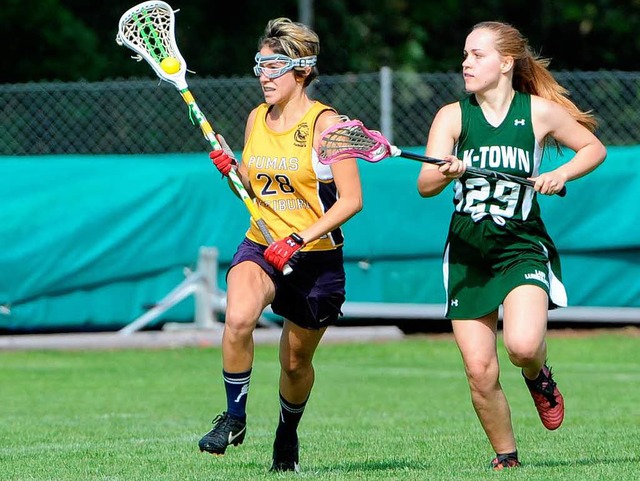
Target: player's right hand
x,y
223,161
453,168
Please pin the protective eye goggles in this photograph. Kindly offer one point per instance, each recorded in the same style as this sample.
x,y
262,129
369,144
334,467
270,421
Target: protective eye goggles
x,y
274,66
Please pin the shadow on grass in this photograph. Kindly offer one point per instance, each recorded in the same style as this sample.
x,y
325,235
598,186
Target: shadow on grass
x,y
585,462
371,465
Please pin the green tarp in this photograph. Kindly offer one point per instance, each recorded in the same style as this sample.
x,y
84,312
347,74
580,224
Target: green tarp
x,y
88,242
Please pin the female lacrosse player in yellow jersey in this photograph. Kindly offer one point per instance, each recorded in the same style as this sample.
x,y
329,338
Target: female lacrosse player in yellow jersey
x,y
498,251
304,204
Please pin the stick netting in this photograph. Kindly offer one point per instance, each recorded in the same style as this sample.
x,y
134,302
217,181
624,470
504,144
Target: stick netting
x,y
148,28
352,139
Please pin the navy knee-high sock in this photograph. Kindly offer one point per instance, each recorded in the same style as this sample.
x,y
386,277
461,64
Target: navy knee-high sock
x,y
236,386
290,415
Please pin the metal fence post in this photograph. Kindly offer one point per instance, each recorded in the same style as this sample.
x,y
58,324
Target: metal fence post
x,y
386,102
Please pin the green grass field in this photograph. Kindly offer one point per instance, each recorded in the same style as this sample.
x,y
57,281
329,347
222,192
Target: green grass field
x,y
396,410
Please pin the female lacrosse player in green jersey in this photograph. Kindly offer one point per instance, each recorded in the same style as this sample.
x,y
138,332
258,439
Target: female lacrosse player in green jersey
x,y
498,251
304,203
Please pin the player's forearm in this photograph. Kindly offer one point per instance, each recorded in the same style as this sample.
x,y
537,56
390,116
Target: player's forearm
x,y
340,212
431,182
585,160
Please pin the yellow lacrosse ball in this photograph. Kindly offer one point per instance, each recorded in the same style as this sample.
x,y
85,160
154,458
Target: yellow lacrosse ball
x,y
170,65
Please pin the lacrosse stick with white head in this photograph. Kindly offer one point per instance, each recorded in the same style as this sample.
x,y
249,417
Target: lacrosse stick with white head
x,y
149,30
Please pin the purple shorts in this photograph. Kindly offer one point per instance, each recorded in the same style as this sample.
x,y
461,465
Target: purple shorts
x,y
313,294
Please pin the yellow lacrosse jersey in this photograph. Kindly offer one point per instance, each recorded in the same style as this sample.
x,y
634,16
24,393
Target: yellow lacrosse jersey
x,y
292,188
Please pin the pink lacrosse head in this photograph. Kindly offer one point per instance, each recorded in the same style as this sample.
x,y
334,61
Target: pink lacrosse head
x,y
351,139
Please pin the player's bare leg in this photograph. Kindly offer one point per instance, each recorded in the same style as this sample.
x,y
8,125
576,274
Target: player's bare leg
x,y
477,341
525,328
249,290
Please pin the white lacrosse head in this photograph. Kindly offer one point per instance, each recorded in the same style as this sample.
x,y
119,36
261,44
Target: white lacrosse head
x,y
148,30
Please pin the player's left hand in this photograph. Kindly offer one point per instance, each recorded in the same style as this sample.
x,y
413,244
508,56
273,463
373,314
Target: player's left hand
x,y
549,183
280,252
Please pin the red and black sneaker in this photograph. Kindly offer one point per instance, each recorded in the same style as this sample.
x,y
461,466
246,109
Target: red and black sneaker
x,y
547,398
504,461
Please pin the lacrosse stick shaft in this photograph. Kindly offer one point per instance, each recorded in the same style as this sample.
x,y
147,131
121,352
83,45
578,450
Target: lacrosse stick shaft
x,y
210,135
474,171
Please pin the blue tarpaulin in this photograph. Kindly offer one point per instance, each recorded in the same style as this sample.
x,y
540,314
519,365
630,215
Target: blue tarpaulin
x,y
89,241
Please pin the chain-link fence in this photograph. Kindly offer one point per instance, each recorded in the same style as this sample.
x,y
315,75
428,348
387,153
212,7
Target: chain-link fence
x,y
149,116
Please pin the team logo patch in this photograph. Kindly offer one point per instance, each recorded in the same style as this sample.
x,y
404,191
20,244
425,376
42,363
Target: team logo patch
x,y
539,276
301,135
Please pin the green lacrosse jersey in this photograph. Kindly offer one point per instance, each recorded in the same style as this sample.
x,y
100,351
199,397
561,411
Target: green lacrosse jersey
x,y
292,188
511,148
497,240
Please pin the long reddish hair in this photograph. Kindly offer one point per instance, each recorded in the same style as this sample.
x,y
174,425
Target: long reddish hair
x,y
530,73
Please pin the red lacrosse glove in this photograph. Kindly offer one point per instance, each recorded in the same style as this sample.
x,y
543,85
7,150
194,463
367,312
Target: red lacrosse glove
x,y
223,158
280,252
222,161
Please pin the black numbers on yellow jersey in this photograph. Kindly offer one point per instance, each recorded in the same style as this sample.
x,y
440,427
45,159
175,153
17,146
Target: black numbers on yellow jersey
x,y
273,186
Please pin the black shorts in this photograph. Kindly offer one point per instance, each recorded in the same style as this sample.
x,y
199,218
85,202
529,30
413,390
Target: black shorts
x,y
313,294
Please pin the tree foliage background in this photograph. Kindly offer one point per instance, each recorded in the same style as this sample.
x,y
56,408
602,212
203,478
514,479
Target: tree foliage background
x,y
71,40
